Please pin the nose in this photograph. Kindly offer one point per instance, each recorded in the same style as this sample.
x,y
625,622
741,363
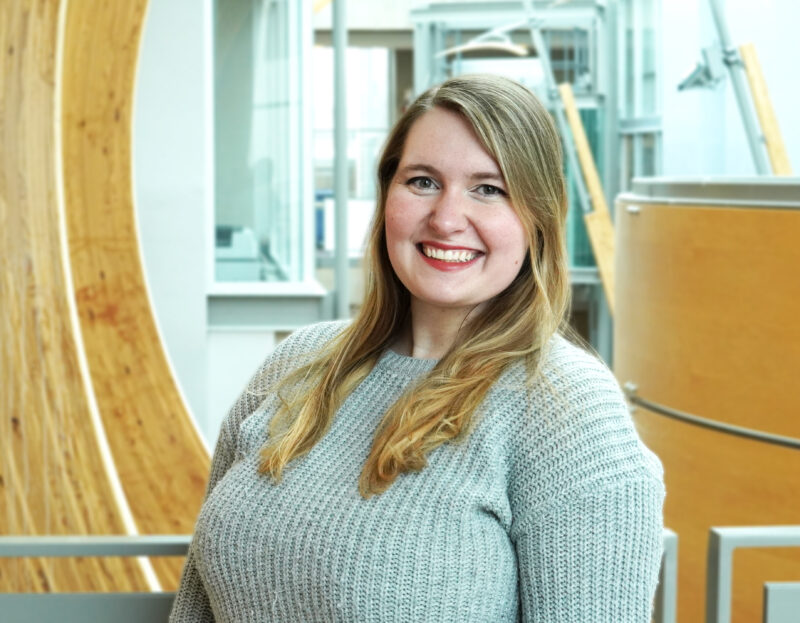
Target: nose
x,y
448,214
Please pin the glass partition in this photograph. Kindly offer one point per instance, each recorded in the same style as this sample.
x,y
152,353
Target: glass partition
x,y
639,102
368,72
262,184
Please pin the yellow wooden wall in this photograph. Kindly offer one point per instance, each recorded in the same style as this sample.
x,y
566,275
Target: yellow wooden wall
x,y
82,369
708,322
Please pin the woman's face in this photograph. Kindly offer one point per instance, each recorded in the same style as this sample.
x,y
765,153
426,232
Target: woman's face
x,y
452,237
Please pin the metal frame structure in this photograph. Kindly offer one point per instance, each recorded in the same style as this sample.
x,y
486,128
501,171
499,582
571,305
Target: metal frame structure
x,y
733,61
342,268
781,602
635,119
722,542
666,599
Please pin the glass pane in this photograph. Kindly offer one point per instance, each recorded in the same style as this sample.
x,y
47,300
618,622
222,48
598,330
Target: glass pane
x,y
628,77
626,164
649,146
258,141
638,29
579,248
368,118
648,25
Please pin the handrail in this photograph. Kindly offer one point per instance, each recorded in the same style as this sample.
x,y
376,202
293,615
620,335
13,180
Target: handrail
x,y
731,429
63,546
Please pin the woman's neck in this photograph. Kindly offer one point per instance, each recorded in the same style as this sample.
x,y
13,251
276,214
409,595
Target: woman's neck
x,y
431,331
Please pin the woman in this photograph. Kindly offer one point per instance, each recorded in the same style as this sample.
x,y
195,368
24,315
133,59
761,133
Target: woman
x,y
447,456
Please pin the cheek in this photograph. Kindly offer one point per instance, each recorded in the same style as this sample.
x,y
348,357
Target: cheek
x,y
391,226
399,221
395,231
510,239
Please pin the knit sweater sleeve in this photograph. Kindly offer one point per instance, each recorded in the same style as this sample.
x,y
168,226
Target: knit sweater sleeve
x,y
586,498
191,602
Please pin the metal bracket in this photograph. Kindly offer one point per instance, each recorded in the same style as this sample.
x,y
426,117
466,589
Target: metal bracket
x,y
709,72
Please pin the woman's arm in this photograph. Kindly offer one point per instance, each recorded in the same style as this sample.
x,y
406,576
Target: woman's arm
x,y
594,557
586,498
191,602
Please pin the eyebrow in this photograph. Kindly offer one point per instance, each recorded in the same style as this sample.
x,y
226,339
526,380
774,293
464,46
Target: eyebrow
x,y
479,175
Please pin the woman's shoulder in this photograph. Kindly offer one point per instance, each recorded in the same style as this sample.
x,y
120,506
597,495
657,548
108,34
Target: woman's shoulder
x,y
575,431
571,369
564,368
298,348
310,339
295,350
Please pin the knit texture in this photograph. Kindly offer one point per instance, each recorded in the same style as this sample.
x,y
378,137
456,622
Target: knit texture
x,y
549,511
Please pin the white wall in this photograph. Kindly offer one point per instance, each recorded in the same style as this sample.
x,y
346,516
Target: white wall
x,y
703,131
173,181
233,357
370,14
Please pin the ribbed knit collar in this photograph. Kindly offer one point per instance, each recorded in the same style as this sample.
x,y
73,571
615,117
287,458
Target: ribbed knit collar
x,y
402,365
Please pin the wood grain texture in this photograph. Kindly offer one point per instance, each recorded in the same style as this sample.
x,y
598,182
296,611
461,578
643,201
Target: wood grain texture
x,y
598,222
161,460
707,305
776,150
52,476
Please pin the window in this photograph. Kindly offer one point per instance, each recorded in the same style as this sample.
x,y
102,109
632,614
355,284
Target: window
x,y
368,118
263,187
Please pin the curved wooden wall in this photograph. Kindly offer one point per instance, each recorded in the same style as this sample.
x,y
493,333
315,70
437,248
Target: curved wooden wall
x,y
67,220
52,477
162,462
708,321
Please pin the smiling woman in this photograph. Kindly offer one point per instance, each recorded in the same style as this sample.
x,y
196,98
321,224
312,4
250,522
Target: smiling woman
x,y
448,455
453,238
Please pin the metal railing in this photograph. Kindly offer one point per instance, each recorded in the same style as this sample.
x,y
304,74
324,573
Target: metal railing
x,y
666,600
130,607
154,607
740,431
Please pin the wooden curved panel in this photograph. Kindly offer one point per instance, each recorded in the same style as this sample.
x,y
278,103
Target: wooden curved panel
x,y
708,301
52,476
161,460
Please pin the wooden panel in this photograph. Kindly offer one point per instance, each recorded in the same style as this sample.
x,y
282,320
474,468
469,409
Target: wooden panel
x,y
598,222
161,460
707,305
778,157
52,476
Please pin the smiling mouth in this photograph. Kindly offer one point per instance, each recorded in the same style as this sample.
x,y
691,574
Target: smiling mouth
x,y
457,256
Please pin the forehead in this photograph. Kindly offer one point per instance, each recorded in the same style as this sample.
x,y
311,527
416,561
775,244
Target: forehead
x,y
441,137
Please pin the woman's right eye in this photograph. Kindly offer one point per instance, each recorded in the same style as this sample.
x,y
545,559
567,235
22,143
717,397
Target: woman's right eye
x,y
421,182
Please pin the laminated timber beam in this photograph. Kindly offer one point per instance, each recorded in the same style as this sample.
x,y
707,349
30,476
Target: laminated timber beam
x,y
95,437
53,476
776,150
598,220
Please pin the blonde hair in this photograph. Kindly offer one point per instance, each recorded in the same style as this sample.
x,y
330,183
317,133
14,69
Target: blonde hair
x,y
517,131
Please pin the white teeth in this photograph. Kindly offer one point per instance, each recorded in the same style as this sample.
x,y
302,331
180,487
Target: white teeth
x,y
449,255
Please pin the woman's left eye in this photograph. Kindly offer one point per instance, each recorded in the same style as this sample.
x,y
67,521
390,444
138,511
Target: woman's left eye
x,y
487,190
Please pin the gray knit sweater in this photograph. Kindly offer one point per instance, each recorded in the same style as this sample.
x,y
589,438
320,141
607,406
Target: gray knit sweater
x,y
549,511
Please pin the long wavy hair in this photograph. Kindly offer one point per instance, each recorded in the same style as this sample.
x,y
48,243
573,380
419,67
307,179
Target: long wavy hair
x,y
517,324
